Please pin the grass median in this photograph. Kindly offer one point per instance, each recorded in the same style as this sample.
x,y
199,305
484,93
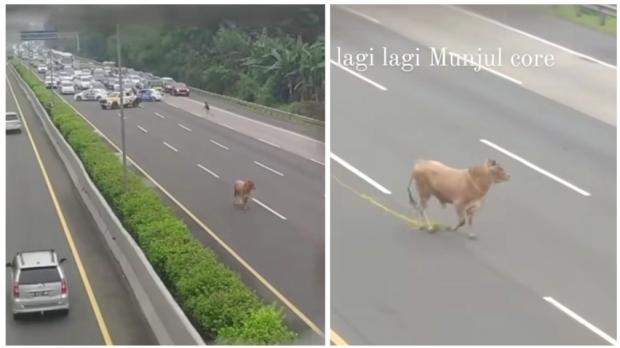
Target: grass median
x,y
220,305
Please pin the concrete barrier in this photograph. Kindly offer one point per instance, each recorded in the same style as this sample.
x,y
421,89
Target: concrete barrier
x,y
167,321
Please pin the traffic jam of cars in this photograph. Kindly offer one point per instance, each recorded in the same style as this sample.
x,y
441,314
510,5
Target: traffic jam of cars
x,y
100,81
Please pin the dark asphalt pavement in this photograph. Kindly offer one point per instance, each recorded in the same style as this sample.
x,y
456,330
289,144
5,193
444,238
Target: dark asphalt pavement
x,y
32,223
392,284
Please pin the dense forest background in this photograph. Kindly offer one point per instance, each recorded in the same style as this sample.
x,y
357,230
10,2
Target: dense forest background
x,y
271,55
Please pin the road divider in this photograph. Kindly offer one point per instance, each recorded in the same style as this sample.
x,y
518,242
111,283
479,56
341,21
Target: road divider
x,y
221,306
185,127
207,170
170,147
268,208
359,173
359,76
268,168
580,320
269,143
359,14
90,294
494,72
535,167
218,144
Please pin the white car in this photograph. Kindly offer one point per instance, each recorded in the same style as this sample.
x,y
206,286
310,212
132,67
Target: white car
x,y
67,87
49,83
84,82
91,94
13,123
42,69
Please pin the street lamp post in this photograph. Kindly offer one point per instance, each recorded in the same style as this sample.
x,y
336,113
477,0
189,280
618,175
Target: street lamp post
x,y
122,91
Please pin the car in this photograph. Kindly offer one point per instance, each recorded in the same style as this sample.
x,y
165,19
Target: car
x,y
167,82
38,283
91,94
84,82
179,88
13,123
66,87
149,95
113,100
48,81
42,69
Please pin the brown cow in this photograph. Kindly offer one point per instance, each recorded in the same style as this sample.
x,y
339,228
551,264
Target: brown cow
x,y
464,188
243,190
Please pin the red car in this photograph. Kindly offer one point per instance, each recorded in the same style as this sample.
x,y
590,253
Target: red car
x,y
179,88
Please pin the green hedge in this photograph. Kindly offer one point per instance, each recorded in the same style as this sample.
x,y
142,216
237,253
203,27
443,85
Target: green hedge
x,y
219,304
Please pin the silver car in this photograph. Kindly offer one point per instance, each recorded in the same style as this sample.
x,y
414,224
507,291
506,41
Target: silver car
x,y
13,123
38,283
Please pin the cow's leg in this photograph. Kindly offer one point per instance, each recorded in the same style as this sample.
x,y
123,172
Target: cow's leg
x,y
424,197
470,218
460,210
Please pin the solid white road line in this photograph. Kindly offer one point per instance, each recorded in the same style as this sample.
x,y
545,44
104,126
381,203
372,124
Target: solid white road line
x,y
259,122
218,144
316,161
269,143
360,174
535,167
486,68
269,169
365,16
142,129
505,26
271,210
170,147
225,125
159,115
358,75
207,170
580,320
186,128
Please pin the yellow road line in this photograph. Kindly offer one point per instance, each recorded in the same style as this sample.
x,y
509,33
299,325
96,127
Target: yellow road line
x,y
416,223
89,291
337,340
334,337
230,250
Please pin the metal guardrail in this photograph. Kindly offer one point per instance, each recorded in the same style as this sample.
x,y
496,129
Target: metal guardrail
x,y
603,11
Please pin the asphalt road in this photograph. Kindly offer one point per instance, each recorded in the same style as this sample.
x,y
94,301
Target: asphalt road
x,y
394,284
197,161
32,223
555,29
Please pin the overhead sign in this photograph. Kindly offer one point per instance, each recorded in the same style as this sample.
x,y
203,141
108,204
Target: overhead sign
x,y
37,35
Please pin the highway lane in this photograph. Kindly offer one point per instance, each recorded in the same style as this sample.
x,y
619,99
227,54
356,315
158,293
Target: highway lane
x,y
282,239
32,223
558,30
536,233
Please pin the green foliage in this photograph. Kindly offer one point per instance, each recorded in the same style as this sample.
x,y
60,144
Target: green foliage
x,y
213,296
267,66
260,327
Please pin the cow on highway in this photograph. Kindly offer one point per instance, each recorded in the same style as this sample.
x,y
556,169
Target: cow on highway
x,y
464,188
243,190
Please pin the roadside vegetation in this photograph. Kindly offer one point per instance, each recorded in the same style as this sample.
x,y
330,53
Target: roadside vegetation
x,y
584,16
219,304
274,64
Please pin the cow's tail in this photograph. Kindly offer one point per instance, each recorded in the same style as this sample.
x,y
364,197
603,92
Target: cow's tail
x,y
411,199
